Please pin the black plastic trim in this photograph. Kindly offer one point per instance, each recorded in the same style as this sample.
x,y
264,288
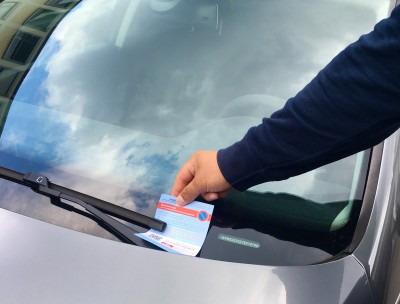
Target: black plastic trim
x,y
369,197
111,209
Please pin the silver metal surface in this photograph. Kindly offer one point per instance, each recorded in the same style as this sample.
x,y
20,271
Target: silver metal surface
x,y
376,249
44,263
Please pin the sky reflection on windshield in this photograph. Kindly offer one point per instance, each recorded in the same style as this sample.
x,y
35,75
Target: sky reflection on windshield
x,y
126,108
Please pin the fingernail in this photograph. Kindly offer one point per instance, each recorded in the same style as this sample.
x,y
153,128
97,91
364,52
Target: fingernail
x,y
179,200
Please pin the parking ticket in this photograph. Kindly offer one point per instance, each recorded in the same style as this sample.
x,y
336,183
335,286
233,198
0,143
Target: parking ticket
x,y
186,226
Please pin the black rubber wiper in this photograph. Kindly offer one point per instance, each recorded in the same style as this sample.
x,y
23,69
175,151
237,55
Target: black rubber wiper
x,y
40,184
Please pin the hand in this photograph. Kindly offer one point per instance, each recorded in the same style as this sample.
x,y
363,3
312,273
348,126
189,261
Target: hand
x,y
200,175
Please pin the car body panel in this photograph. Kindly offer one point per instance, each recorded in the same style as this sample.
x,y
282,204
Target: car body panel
x,y
377,250
44,263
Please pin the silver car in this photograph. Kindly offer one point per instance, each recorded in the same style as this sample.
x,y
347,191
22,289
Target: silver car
x,y
102,101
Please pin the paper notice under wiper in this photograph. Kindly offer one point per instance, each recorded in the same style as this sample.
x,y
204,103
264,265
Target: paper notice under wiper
x,y
186,226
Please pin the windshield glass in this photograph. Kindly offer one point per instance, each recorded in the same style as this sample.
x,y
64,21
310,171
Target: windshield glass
x,y
110,98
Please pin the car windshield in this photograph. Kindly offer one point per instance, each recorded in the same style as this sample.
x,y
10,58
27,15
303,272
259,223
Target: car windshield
x,y
111,97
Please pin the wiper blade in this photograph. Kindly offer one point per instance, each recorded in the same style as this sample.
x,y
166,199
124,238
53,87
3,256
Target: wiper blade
x,y
40,184
52,189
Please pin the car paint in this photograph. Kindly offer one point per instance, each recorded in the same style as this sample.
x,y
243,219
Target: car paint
x,y
48,264
378,250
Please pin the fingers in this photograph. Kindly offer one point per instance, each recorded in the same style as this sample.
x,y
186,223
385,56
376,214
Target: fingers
x,y
184,177
189,193
223,194
210,196
200,175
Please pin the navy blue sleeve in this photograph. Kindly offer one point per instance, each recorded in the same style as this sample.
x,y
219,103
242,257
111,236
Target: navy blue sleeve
x,y
352,104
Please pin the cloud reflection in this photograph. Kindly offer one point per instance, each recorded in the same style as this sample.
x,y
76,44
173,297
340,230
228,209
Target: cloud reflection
x,y
128,112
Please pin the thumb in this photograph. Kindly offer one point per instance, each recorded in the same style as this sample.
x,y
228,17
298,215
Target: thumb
x,y
188,194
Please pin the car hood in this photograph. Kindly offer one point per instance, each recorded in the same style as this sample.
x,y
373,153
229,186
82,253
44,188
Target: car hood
x,y
49,264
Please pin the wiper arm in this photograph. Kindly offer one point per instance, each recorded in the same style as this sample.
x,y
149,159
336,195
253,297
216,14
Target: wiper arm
x,y
114,210
40,184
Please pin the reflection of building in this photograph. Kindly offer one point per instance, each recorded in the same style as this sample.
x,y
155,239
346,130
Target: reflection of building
x,y
25,26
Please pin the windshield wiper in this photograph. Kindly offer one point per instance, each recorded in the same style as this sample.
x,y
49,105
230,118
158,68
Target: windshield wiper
x,y
40,184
